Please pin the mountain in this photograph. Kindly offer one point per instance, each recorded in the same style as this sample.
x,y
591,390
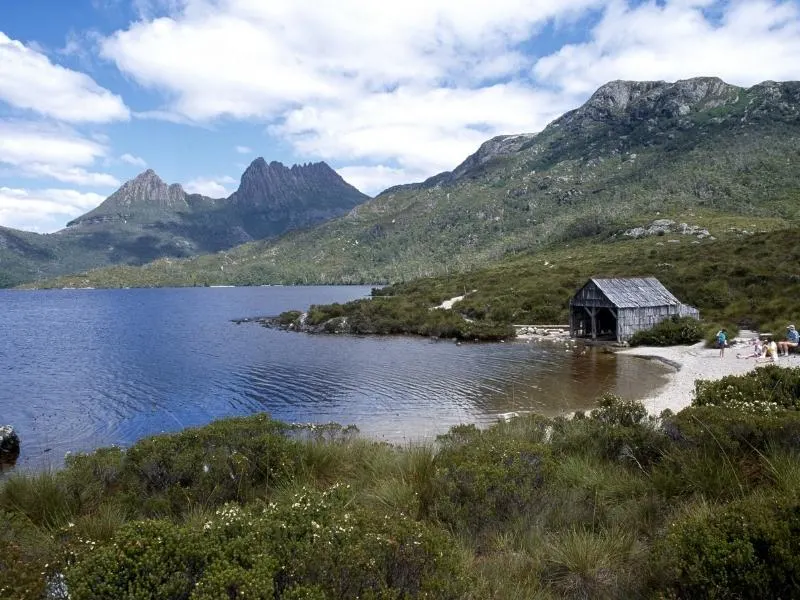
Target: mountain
x,y
633,153
138,199
147,219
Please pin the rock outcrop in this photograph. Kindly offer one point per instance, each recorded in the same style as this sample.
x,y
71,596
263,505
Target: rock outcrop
x,y
275,187
145,193
9,444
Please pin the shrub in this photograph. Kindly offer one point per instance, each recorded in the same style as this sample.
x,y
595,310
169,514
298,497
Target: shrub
x,y
670,332
747,549
761,390
483,478
710,334
226,460
288,317
618,430
309,545
719,451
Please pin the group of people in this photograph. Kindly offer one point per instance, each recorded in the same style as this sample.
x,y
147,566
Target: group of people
x,y
769,349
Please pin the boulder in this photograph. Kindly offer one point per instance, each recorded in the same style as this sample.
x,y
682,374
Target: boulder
x,y
9,444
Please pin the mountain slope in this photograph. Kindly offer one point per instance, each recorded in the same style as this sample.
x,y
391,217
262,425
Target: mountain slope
x,y
635,151
147,219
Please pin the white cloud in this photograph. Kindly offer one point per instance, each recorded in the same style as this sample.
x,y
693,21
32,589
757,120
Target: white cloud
x,y
373,179
214,187
207,54
424,131
135,161
32,82
39,150
243,150
754,40
44,210
415,87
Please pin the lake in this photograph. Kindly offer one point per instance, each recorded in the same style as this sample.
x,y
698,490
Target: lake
x,y
81,369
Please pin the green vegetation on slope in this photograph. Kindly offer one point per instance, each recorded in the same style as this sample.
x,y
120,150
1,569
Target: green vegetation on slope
x,y
614,504
749,279
594,172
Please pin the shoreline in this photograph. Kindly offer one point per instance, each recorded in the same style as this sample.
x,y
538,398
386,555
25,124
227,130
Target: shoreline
x,y
690,363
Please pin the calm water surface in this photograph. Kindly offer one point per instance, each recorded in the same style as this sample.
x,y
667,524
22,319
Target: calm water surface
x,y
81,369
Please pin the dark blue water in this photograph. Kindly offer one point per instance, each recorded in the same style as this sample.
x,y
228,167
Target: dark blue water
x,y
81,369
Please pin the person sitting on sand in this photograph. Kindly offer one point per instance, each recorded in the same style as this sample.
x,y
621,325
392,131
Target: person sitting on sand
x,y
791,341
758,350
770,350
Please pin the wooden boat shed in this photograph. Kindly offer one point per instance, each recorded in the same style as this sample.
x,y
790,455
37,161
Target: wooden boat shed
x,y
618,308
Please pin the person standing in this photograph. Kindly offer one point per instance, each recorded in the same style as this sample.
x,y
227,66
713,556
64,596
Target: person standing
x,y
791,341
722,341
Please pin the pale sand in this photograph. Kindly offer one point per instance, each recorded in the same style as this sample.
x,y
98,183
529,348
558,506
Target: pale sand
x,y
696,362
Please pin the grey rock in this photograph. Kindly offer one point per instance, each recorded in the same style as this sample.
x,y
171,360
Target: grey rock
x,y
146,191
9,444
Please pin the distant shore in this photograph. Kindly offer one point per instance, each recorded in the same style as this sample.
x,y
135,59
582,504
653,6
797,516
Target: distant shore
x,y
690,363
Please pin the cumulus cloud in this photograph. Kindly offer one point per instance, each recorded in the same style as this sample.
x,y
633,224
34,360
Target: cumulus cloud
x,y
372,179
130,159
32,82
409,89
43,211
402,84
56,152
424,131
214,187
751,41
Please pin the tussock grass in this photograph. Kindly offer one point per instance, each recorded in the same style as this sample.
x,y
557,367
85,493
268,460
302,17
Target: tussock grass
x,y
42,498
584,564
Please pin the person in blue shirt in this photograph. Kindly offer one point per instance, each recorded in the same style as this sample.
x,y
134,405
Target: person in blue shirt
x,y
791,341
722,341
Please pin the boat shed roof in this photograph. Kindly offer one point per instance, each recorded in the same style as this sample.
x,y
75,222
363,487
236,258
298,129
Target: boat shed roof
x,y
635,292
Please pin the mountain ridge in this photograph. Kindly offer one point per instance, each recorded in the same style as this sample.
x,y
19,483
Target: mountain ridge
x,y
147,218
633,152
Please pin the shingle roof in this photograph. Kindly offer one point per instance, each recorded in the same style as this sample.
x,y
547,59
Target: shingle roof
x,y
636,292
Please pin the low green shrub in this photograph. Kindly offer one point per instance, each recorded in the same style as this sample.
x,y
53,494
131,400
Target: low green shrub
x,y
229,459
29,555
288,317
618,430
308,545
484,479
747,549
718,451
710,333
674,331
761,390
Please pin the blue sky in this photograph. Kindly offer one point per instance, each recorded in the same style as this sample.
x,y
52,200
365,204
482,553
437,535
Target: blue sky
x,y
92,92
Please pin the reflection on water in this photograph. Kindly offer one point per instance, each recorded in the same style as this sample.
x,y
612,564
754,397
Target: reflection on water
x,y
87,368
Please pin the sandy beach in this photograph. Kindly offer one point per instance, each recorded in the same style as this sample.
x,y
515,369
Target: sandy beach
x,y
697,362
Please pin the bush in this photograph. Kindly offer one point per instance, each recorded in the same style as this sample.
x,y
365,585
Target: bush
x,y
718,451
761,390
309,545
619,430
748,549
484,478
710,334
670,332
289,317
162,475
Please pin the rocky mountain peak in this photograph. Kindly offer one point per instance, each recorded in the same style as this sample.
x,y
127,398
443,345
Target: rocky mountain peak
x,y
276,185
149,188
144,193
640,99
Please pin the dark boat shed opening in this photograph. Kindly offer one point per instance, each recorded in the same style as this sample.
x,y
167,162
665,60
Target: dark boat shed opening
x,y
615,309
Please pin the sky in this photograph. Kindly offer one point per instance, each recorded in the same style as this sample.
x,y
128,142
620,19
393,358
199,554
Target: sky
x,y
92,92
